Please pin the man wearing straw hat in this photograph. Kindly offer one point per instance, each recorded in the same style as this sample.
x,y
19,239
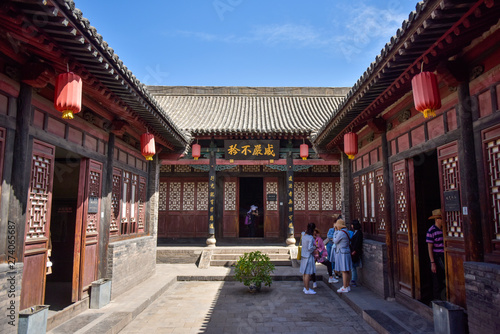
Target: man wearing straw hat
x,y
435,244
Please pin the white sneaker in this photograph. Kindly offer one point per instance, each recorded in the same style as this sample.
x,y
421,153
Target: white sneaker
x,y
315,285
348,288
342,290
304,290
333,280
310,292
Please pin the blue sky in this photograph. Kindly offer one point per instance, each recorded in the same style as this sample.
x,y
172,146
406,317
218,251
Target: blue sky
x,y
247,42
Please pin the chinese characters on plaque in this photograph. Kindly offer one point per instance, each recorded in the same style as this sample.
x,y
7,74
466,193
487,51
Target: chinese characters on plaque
x,y
211,201
251,149
289,193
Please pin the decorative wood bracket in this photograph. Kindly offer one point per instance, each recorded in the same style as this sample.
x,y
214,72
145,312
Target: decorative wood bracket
x,y
37,74
377,125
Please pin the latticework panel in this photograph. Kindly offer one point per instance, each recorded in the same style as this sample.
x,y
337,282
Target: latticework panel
x,y
230,196
357,197
451,181
380,200
202,196
299,190
162,196
313,196
327,196
141,204
335,168
182,169
371,189
338,196
115,202
39,196
267,169
320,169
271,188
251,168
234,169
401,201
188,196
94,191
174,200
493,161
364,192
165,168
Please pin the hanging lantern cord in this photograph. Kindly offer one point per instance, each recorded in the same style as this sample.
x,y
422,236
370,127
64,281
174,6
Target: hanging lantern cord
x,y
421,67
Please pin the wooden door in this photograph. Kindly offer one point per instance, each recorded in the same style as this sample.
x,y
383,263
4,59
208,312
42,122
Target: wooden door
x,y
230,209
404,254
453,232
37,225
271,208
87,227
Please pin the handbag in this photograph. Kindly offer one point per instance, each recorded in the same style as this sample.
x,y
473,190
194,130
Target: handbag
x,y
299,250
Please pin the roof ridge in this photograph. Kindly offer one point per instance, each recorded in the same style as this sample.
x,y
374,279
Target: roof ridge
x,y
248,91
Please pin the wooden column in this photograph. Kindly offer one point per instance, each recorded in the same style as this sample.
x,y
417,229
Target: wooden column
x,y
107,192
390,230
212,195
21,170
290,240
345,184
471,209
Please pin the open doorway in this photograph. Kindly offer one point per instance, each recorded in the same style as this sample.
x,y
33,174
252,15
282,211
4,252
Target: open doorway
x,y
58,289
427,192
251,193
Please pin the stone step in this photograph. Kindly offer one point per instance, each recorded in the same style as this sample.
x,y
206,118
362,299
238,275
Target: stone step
x,y
248,250
229,263
282,257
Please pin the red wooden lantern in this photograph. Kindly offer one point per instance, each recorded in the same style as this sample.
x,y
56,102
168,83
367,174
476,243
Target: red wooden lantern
x,y
426,93
148,145
304,151
68,94
351,144
196,151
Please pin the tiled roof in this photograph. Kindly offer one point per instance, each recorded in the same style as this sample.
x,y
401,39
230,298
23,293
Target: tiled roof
x,y
270,111
69,31
389,75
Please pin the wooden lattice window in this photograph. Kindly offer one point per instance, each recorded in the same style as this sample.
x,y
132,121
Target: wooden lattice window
x,y
401,193
39,195
125,199
357,197
451,181
115,202
141,214
379,180
492,153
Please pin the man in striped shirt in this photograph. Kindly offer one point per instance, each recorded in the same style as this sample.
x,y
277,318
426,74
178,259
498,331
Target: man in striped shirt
x,y
435,245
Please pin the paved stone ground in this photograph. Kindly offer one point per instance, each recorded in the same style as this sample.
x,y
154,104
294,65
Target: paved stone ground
x,y
228,307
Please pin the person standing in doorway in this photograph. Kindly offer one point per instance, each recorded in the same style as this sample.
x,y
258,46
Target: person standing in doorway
x,y
435,245
251,220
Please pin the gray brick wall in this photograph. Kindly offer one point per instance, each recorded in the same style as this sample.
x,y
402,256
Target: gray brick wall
x,y
372,274
176,255
482,285
130,262
10,293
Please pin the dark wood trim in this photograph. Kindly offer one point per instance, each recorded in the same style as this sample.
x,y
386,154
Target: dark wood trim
x,y
107,191
59,142
487,121
128,168
388,212
368,169
21,173
467,108
427,146
346,166
6,179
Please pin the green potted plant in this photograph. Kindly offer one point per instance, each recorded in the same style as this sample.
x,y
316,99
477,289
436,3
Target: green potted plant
x,y
253,269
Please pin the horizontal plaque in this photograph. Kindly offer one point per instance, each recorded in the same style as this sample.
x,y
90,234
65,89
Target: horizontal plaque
x,y
252,149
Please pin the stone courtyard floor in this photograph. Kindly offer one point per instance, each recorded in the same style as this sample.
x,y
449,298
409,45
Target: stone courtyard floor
x,y
228,307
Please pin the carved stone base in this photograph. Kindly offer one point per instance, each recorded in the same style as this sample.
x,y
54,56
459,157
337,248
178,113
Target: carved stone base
x,y
211,241
290,241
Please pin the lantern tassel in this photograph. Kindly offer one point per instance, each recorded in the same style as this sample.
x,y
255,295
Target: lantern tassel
x,y
429,112
350,156
304,158
68,114
149,157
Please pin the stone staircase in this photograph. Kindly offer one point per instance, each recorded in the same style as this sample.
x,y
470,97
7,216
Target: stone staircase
x,y
226,257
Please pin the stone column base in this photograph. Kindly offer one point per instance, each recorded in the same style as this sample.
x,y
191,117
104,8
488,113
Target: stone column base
x,y
211,241
290,241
